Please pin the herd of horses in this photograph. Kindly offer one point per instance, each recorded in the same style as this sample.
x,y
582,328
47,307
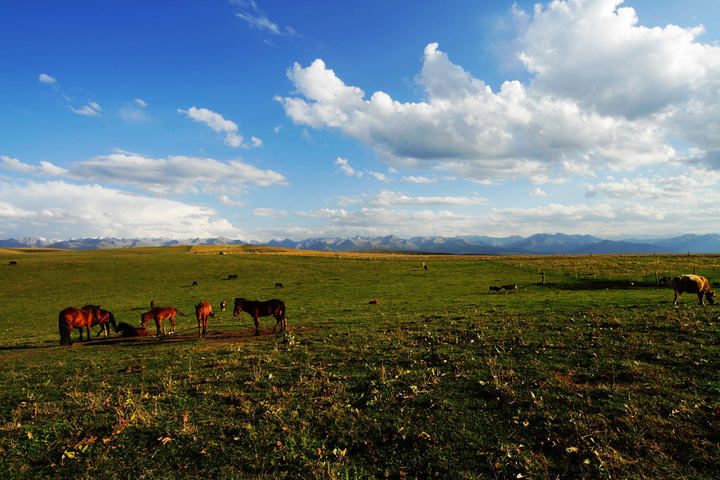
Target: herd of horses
x,y
92,315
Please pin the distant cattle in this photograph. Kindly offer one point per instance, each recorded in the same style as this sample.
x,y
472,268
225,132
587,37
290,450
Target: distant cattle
x,y
223,306
494,289
12,262
693,284
508,288
278,285
194,284
374,301
232,276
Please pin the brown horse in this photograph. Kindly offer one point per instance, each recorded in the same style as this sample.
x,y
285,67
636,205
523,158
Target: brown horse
x,y
203,310
77,318
159,314
103,318
262,309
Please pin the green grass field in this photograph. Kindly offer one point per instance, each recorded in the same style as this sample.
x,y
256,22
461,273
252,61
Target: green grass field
x,y
585,377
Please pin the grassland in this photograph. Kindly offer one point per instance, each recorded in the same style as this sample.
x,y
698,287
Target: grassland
x,y
585,377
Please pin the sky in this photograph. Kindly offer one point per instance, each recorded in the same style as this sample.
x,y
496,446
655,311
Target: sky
x,y
269,119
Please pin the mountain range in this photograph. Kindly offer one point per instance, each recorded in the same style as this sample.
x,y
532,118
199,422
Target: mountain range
x,y
539,244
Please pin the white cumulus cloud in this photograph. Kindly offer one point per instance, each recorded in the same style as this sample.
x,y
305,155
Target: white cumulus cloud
x,y
45,78
175,174
606,93
219,124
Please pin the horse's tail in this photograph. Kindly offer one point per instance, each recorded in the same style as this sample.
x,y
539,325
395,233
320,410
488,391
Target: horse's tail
x,y
283,319
64,330
280,315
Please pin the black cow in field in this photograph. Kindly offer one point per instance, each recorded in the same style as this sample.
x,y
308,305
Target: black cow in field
x,y
693,284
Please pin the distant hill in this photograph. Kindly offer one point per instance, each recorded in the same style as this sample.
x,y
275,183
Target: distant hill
x,y
539,244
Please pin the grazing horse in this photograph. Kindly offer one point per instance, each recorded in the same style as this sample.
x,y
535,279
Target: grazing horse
x,y
494,289
262,309
278,285
693,284
510,287
203,310
130,331
159,314
103,318
76,318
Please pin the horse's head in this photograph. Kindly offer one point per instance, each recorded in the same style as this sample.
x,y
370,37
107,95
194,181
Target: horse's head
x,y
95,311
110,318
710,296
238,306
145,318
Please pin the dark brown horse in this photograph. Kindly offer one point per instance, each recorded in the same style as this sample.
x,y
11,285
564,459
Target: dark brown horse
x,y
159,314
262,309
77,318
126,330
203,310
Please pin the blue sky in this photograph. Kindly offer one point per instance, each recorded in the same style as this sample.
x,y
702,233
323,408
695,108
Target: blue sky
x,y
271,119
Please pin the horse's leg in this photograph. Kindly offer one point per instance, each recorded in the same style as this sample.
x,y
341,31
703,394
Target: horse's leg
x,y
701,297
257,323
